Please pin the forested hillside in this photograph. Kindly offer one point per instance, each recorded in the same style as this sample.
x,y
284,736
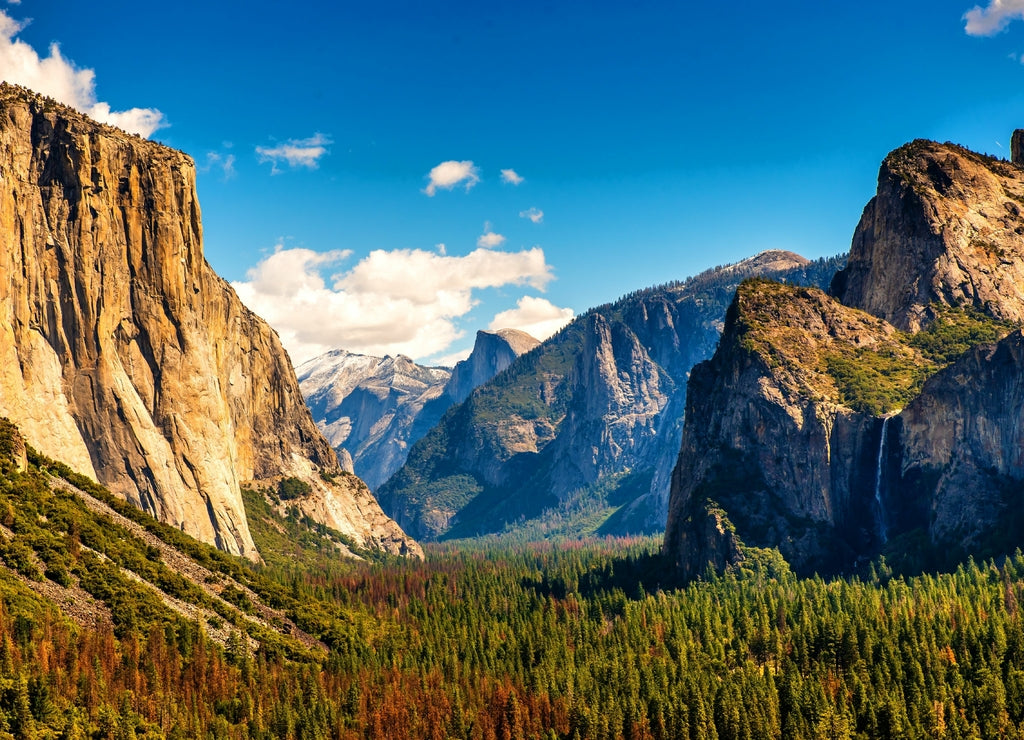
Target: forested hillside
x,y
583,641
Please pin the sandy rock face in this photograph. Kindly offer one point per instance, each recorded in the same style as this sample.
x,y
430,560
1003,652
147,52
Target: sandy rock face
x,y
121,352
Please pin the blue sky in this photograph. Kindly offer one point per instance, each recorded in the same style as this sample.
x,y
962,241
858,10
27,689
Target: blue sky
x,y
646,141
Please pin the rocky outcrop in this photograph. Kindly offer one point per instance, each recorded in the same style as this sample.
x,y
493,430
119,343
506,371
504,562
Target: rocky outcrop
x,y
370,408
956,468
944,229
492,352
769,444
1017,147
124,355
593,414
835,435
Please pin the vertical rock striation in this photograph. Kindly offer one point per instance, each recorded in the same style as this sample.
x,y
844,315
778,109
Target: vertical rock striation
x,y
123,354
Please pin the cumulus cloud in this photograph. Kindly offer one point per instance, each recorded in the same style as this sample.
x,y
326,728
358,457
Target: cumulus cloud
x,y
295,153
534,214
489,239
402,301
447,175
61,80
511,176
538,317
994,18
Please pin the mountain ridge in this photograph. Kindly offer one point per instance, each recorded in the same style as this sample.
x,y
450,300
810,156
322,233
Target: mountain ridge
x,y
374,409
589,407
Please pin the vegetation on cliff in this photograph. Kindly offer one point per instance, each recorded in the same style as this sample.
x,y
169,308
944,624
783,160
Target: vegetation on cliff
x,y
832,352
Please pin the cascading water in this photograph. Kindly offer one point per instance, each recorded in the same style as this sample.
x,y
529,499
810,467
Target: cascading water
x,y
883,524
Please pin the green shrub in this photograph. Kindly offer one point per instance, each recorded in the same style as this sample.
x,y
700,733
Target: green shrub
x,y
293,488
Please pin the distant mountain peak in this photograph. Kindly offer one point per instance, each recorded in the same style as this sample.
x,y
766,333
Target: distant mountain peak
x,y
770,259
492,352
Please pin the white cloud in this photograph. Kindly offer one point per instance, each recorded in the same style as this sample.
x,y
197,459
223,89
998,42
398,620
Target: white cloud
x,y
449,174
60,79
403,301
512,177
489,239
993,19
295,153
534,214
223,162
538,317
450,359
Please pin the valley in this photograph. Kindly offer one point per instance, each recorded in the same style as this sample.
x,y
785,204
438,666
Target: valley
x,y
781,498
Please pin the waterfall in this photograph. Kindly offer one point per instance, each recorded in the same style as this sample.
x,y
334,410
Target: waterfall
x,y
883,524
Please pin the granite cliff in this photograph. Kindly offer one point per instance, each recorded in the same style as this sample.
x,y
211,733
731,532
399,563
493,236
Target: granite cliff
x,y
373,409
591,419
124,355
944,229
492,352
880,418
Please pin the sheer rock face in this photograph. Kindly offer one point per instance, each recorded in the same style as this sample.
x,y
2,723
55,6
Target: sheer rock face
x,y
770,449
578,408
492,352
123,354
768,445
1017,147
946,227
961,448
